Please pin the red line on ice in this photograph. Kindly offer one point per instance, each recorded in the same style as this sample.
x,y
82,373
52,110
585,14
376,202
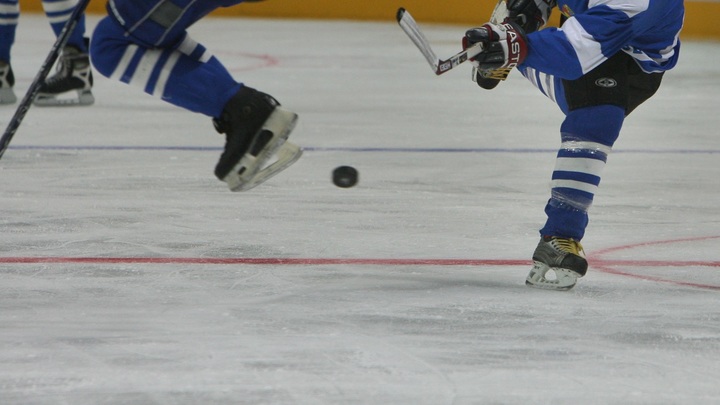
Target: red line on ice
x,y
596,260
266,260
608,266
334,261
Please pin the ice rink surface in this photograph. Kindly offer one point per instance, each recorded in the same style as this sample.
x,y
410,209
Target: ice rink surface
x,y
130,275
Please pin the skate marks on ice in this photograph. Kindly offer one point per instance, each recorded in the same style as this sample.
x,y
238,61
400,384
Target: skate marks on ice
x,y
344,333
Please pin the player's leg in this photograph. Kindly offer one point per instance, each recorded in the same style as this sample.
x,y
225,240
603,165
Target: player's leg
x,y
72,84
9,14
595,107
587,135
188,76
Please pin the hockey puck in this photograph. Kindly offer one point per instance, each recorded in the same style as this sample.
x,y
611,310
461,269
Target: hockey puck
x,y
345,176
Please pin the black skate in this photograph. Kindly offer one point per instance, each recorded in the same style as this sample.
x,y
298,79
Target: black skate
x,y
256,130
72,84
7,81
562,256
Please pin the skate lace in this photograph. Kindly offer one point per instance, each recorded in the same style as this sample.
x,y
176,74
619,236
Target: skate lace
x,y
69,68
568,245
62,72
497,74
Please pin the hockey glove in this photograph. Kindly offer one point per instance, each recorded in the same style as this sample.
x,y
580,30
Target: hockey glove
x,y
505,45
530,15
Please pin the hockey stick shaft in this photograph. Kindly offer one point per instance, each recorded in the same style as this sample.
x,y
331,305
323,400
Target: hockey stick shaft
x,y
439,66
32,92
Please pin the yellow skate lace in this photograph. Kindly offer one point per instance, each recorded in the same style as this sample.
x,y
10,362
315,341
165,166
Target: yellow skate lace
x,y
497,74
568,245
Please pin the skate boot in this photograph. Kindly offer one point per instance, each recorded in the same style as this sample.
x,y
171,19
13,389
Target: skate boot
x,y
7,81
256,129
562,256
72,83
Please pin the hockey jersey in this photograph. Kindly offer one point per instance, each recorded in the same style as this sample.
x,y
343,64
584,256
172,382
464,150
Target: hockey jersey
x,y
154,22
594,30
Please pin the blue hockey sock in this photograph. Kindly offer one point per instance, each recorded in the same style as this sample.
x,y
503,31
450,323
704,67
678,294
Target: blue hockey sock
x,y
9,14
587,138
58,12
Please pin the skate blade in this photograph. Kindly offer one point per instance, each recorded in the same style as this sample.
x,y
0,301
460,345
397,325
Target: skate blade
x,y
254,170
69,98
288,154
564,279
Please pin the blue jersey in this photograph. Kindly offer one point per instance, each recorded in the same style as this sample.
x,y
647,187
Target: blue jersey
x,y
160,23
647,30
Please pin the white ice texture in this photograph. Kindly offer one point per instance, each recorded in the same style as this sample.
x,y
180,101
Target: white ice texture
x,y
130,275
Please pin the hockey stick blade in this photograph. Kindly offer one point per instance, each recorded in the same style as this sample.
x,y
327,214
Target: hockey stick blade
x,y
439,66
32,92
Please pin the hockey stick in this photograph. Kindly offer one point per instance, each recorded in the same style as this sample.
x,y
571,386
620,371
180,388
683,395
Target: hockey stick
x,y
32,92
439,66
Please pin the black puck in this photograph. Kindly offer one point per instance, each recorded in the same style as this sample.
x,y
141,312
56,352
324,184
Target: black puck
x,y
345,176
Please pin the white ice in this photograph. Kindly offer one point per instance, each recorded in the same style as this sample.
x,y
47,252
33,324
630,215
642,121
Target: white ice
x,y
406,289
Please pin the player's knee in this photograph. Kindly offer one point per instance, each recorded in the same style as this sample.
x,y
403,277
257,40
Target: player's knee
x,y
106,48
601,124
99,61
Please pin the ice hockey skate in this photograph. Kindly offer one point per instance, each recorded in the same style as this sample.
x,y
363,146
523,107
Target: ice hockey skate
x,y
561,257
72,84
7,81
256,130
